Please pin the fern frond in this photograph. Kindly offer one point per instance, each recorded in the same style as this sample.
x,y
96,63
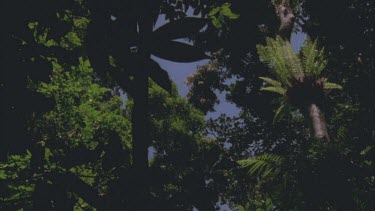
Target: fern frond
x,y
341,133
279,113
313,60
328,85
278,90
262,164
280,57
292,59
269,54
271,81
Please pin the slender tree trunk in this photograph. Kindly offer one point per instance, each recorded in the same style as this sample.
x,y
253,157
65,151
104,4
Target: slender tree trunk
x,y
140,134
318,122
140,130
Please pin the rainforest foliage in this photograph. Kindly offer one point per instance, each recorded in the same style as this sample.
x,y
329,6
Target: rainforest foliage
x,y
90,121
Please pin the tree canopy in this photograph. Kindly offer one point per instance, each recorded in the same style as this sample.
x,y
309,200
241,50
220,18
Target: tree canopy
x,y
90,121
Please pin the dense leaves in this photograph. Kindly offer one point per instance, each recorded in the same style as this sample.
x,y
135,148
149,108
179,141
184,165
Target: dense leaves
x,y
90,122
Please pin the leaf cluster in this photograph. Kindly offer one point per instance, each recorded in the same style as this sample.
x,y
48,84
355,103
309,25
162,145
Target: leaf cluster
x,y
218,15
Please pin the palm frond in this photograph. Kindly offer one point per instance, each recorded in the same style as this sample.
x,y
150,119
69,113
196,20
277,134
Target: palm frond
x,y
263,165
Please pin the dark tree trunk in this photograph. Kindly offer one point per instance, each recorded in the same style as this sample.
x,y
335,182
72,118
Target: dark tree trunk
x,y
140,130
318,122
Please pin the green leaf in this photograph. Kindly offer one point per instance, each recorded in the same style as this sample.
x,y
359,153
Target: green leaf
x,y
241,208
247,206
262,164
160,76
341,133
257,203
280,57
278,90
267,172
178,52
268,201
179,29
28,152
279,113
216,22
226,11
271,81
313,60
214,11
328,85
3,175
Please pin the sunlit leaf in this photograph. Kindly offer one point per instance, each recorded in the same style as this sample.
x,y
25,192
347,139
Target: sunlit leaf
x,y
226,11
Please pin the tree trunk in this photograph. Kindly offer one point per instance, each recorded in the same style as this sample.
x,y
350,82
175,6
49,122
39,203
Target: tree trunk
x,y
286,22
140,130
318,122
315,115
139,120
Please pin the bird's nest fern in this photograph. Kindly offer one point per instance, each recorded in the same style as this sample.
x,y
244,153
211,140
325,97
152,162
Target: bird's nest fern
x,y
298,76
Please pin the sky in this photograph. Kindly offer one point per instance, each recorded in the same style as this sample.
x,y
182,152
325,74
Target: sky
x,y
178,72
